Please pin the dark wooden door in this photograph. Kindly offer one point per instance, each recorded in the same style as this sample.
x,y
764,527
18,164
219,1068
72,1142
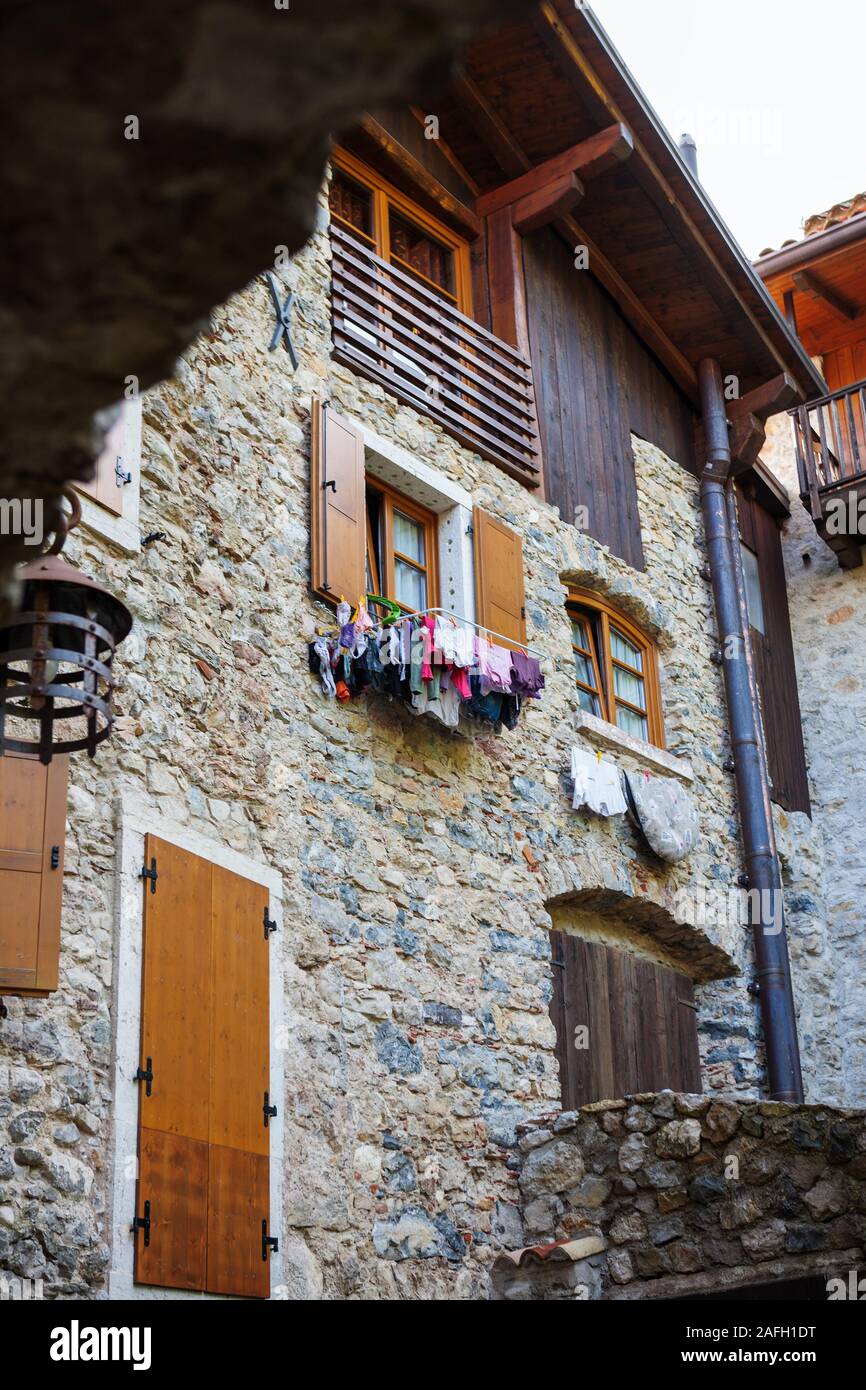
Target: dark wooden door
x,y
623,1024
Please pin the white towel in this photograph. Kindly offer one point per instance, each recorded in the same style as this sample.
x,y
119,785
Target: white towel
x,y
596,784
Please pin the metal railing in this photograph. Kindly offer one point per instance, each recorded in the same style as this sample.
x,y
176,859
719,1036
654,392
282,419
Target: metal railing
x,y
389,327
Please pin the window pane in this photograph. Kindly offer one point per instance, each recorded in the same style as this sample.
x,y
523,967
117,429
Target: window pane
x,y
754,598
580,634
583,666
630,687
409,537
623,650
422,253
410,586
352,203
590,703
632,723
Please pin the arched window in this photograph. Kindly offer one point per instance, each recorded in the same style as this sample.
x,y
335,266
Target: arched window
x,y
616,667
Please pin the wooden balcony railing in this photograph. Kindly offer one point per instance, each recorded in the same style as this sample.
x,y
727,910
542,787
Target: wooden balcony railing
x,y
393,330
830,438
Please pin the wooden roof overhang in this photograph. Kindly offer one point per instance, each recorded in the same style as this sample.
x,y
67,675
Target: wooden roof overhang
x,y
531,90
821,282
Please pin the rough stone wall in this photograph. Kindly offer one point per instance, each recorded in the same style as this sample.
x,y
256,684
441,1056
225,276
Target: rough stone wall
x,y
672,1194
828,610
419,866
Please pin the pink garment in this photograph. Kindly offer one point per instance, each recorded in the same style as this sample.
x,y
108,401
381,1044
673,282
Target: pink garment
x,y
428,626
460,682
494,667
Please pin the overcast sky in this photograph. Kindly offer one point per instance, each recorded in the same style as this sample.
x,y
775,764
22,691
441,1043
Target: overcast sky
x,y
773,92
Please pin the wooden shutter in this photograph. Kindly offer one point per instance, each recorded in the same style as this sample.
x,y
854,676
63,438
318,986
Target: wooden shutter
x,y
32,836
640,1016
775,668
203,1143
122,446
338,509
499,592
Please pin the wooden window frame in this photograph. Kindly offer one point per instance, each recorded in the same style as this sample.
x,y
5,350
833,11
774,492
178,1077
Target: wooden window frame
x,y
384,197
604,662
392,500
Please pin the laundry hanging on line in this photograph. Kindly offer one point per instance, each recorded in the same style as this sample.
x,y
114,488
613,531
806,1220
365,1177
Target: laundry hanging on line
x,y
436,665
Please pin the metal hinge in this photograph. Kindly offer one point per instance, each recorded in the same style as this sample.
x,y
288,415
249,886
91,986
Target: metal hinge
x,y
146,1076
269,924
559,963
268,1242
268,1110
55,856
151,874
121,477
142,1223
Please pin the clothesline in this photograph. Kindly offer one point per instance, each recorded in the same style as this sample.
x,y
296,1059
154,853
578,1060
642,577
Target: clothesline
x,y
458,617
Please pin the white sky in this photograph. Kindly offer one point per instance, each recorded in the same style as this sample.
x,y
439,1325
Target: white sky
x,y
773,92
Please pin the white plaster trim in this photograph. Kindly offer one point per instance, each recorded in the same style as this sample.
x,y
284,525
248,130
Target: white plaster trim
x,y
444,492
610,736
136,817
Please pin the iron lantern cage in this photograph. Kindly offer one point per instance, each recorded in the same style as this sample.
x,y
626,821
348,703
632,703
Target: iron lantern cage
x,y
56,658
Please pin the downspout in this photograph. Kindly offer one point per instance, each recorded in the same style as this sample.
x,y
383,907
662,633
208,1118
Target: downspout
x,y
766,913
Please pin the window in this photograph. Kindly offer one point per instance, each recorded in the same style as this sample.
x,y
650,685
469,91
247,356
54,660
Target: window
x,y
754,599
401,549
375,213
615,668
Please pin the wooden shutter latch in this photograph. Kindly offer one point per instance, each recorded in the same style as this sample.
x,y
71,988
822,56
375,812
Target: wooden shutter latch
x,y
142,1223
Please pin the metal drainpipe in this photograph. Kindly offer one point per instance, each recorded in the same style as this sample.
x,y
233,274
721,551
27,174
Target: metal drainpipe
x,y
773,974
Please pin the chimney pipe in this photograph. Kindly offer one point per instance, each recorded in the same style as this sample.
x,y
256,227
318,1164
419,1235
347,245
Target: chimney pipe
x,y
689,153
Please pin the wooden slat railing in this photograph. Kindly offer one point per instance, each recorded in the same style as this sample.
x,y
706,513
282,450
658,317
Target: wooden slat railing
x,y
392,329
830,439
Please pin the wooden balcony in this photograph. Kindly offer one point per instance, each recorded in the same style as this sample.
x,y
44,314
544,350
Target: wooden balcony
x,y
392,329
830,439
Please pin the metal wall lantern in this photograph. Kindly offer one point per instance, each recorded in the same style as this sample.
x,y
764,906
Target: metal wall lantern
x,y
56,656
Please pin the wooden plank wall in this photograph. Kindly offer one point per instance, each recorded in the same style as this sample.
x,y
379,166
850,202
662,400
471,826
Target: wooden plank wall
x,y
595,383
641,1021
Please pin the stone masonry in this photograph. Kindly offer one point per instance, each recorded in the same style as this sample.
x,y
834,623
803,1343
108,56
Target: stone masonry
x,y
420,867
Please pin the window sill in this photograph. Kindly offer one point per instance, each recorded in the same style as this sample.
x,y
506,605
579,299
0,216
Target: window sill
x,y
605,735
119,530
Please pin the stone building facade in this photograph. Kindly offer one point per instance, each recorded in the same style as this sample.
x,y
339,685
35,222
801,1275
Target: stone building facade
x,y
421,869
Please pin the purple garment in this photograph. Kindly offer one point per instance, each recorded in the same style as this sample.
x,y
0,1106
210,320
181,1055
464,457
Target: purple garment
x,y
526,677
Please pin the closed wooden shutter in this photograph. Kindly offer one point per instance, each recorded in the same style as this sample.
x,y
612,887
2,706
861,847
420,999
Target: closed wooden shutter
x,y
640,1017
775,668
203,1142
32,835
338,509
499,589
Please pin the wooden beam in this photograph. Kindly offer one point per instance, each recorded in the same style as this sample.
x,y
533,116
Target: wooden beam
x,y
547,203
415,170
445,149
771,398
790,311
586,159
493,131
747,438
508,316
808,282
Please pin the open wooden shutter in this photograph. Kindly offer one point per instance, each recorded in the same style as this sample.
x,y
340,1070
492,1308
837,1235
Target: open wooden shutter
x,y
32,835
640,1016
121,456
775,668
203,1142
338,510
499,592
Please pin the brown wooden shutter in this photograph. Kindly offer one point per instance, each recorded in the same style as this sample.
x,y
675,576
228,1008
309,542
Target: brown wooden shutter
x,y
103,487
338,509
775,667
32,836
499,592
203,1144
641,1020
